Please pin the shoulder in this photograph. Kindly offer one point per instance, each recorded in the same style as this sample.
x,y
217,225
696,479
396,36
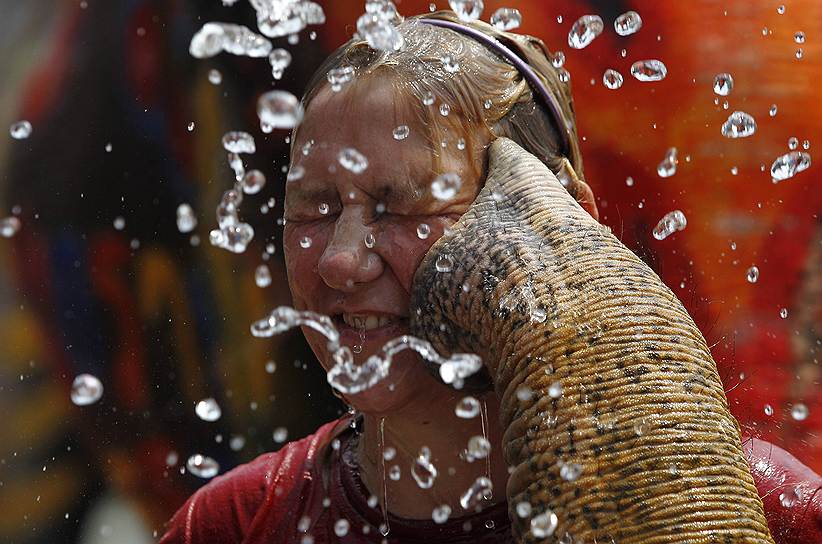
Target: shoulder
x,y
223,510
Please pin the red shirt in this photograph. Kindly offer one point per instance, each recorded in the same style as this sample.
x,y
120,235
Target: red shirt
x,y
299,493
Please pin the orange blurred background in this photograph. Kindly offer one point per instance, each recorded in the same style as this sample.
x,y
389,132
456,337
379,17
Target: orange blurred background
x,y
163,319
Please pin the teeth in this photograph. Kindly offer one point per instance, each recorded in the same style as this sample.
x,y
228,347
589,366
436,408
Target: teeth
x,y
366,322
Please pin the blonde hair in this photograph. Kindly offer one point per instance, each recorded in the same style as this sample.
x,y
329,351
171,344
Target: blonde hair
x,y
486,91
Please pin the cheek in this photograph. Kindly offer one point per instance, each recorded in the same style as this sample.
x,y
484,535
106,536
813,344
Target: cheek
x,y
301,262
403,249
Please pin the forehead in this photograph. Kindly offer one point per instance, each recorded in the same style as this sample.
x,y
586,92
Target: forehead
x,y
363,116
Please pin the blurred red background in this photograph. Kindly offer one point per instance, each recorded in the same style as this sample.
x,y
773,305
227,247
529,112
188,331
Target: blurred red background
x,y
164,322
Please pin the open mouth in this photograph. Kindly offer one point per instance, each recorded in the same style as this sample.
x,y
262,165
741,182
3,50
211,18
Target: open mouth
x,y
378,327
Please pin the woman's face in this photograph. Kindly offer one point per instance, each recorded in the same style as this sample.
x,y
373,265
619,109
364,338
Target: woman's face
x,y
366,290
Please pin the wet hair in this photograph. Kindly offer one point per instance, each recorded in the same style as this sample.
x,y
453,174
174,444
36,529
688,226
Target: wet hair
x,y
485,91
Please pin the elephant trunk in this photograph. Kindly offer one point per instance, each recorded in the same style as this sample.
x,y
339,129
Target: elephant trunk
x,y
615,418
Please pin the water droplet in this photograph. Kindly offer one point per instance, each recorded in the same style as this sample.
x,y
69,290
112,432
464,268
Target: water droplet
x,y
446,186
788,165
739,125
768,410
788,498
628,23
780,9
423,231
253,182
305,242
323,208
523,509
806,144
723,84
379,32
641,427
450,64
649,70
445,109
86,389
9,226
667,167
629,181
557,60
279,59
339,76
401,132
270,367
369,240
524,393
394,473
584,30
570,471
295,173
213,38
467,10
555,390
752,274
279,109
799,412
544,525
564,75
793,142
482,488
467,408
799,37
353,160
423,471
441,514
671,222
20,130
506,19
783,313
280,435
341,527
444,263
428,98
262,276
208,410
612,79
215,77
800,53
478,448
734,170
389,453
239,142
202,466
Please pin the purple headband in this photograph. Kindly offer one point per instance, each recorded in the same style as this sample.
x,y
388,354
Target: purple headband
x,y
527,72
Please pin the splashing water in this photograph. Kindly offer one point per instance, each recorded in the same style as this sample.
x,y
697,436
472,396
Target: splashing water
x,y
467,10
478,448
339,76
440,514
628,23
506,19
279,109
352,160
380,32
649,70
279,59
584,31
202,466
788,165
723,84
423,470
208,410
670,223
86,389
9,226
238,141
20,130
445,186
739,125
277,18
467,408
481,489
612,79
186,220
667,167
543,525
214,38
350,378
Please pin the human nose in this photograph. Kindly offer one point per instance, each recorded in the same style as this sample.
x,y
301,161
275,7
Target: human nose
x,y
346,261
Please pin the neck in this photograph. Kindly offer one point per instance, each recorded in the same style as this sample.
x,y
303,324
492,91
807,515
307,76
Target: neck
x,y
433,424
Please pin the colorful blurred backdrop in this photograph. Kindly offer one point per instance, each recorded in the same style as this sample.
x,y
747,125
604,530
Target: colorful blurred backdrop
x,y
127,126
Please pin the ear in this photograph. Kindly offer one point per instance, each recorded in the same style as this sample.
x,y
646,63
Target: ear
x,y
577,188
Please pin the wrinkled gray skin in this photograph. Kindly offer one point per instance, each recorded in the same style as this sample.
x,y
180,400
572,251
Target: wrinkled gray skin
x,y
546,295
